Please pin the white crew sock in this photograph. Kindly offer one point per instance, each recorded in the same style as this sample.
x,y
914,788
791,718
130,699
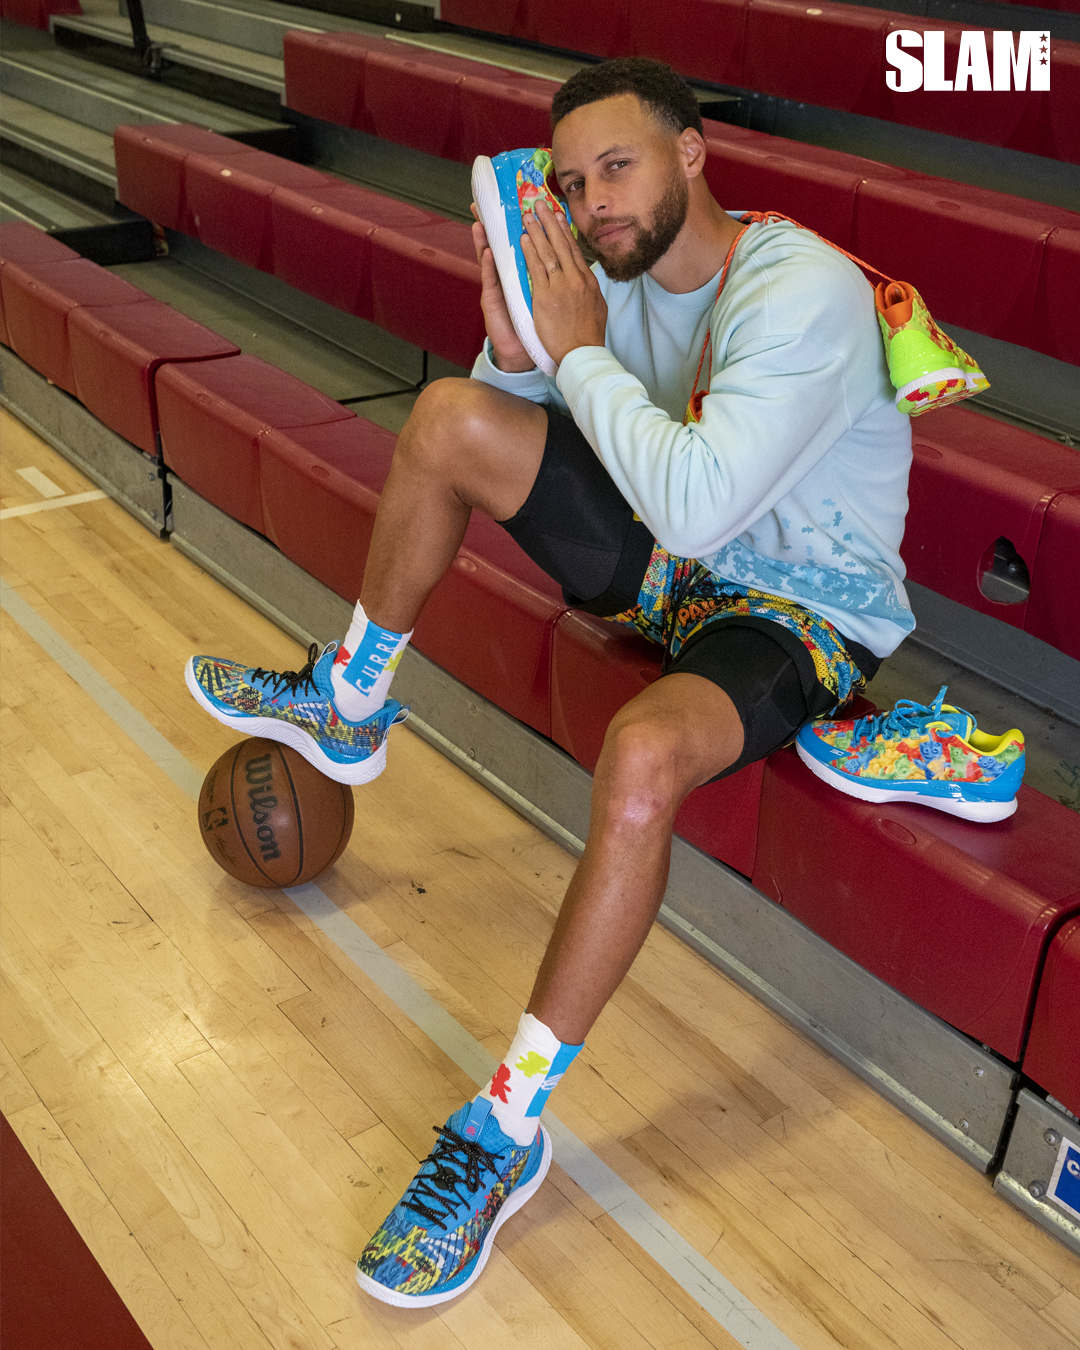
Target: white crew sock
x,y
364,667
523,1082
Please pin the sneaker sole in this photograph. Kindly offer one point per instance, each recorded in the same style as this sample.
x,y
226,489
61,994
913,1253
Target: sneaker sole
x,y
509,1209
983,813
488,198
352,775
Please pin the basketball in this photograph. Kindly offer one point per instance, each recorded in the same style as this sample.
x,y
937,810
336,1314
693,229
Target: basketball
x,y
269,818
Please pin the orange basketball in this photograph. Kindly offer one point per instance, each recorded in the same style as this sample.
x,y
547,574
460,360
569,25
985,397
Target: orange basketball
x,y
268,818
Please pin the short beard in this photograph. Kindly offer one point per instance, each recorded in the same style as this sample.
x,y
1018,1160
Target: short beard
x,y
650,244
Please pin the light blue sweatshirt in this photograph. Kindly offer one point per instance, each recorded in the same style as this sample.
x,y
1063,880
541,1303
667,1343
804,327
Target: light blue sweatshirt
x,y
794,482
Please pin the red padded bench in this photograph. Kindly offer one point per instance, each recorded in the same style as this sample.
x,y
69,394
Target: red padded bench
x,y
957,916
489,621
831,55
410,271
1053,607
116,352
20,243
1005,480
38,298
214,417
1051,1059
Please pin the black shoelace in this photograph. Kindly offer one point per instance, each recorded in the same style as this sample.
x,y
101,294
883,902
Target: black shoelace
x,y
439,1188
295,681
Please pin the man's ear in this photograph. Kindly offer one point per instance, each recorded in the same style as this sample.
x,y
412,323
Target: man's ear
x,y
692,152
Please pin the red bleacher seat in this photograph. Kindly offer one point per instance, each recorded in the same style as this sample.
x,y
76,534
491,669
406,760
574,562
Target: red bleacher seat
x,y
320,490
229,203
322,240
1002,480
974,255
599,29
426,123
707,43
37,300
150,168
1054,327
324,75
1053,608
1051,1059
488,16
811,184
831,55
491,101
425,287
22,243
214,416
115,352
955,915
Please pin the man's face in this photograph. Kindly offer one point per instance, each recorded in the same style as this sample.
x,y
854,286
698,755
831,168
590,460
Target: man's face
x,y
622,176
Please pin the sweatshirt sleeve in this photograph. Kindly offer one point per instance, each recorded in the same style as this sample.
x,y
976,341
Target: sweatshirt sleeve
x,y
531,384
777,401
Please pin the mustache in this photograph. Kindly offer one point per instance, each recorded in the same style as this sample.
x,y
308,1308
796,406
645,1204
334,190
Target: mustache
x,y
605,224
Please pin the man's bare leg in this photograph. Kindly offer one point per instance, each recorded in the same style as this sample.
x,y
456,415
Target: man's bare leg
x,y
677,734
465,444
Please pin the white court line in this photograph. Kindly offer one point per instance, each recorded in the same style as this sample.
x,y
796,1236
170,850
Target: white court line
x,y
31,508
690,1270
40,482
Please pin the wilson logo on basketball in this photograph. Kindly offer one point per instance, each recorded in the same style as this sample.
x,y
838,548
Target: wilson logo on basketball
x,y
260,776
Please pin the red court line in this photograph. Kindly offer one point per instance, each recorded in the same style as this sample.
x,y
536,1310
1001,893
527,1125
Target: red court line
x,y
53,1294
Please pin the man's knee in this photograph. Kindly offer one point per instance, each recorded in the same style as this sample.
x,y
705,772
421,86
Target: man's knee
x,y
641,773
444,412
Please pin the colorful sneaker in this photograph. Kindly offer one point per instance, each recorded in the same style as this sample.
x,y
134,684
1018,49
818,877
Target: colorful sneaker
x,y
926,367
437,1240
932,755
296,707
504,188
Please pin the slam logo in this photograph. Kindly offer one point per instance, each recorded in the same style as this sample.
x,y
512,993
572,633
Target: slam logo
x,y
1008,65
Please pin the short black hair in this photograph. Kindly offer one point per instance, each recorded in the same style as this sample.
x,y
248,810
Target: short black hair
x,y
666,94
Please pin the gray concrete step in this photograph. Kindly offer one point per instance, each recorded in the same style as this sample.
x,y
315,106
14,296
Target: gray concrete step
x,y
71,144
25,199
186,49
96,96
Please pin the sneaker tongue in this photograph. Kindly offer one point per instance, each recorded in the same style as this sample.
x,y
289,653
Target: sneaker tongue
x,y
469,1122
962,723
321,673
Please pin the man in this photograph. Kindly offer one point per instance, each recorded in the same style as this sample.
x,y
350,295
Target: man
x,y
789,491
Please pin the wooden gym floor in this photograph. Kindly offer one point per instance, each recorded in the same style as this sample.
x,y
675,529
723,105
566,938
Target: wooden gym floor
x,y
226,1105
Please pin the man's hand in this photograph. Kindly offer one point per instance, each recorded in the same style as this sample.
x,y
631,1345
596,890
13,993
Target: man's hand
x,y
510,355
568,308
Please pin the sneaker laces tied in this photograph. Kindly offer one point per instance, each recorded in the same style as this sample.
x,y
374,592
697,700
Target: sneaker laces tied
x,y
898,720
445,1179
295,681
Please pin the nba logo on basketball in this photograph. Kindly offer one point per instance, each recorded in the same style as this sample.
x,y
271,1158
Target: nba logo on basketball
x,y
1015,66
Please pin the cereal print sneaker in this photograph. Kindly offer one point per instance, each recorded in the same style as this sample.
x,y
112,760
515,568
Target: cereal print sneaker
x,y
932,754
295,707
437,1239
504,188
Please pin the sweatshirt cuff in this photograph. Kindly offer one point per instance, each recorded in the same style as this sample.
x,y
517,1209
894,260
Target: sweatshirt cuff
x,y
580,367
530,384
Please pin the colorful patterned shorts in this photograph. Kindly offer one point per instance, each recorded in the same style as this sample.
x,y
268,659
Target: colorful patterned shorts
x,y
680,596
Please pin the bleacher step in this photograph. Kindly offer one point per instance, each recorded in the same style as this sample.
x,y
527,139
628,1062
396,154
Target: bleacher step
x,y
24,198
101,98
91,33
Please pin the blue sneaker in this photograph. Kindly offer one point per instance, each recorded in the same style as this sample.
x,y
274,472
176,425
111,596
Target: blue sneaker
x,y
437,1240
296,707
504,188
934,755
